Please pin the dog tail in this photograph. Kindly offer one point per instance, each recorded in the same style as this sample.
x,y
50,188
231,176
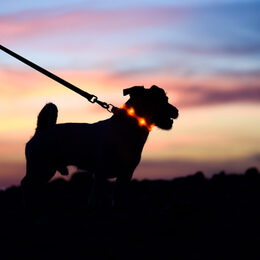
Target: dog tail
x,y
47,117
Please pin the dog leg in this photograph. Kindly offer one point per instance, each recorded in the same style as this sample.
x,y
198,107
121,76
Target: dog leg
x,y
98,197
33,187
121,193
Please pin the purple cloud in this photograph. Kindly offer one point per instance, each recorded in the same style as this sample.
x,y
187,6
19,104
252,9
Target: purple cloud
x,y
198,96
38,22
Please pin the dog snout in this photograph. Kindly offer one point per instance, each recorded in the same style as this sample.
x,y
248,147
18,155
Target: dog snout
x,y
174,112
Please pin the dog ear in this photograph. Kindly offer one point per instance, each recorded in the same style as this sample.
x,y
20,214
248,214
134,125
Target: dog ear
x,y
157,91
136,90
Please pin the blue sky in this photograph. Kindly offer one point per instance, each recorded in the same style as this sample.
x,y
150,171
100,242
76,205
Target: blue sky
x,y
227,33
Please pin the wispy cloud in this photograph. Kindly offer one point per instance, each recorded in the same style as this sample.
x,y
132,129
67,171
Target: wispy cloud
x,y
39,22
189,92
201,96
230,49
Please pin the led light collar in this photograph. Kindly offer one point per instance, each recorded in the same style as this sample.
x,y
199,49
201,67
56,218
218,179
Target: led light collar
x,y
141,121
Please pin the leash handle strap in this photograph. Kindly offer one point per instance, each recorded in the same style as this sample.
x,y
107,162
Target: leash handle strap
x,y
89,97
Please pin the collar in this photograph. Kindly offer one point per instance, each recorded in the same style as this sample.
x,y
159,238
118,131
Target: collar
x,y
142,122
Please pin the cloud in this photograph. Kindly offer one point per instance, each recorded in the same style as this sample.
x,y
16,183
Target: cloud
x,y
17,82
191,90
246,49
38,22
188,91
201,96
228,49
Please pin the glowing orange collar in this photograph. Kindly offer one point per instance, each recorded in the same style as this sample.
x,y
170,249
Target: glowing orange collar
x,y
141,121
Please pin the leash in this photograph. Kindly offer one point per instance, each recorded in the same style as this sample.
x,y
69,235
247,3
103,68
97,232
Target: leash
x,y
91,98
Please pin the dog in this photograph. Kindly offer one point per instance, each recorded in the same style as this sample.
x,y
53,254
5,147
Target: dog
x,y
110,148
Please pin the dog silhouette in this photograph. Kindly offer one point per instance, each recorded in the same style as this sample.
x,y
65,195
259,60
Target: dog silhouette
x,y
110,148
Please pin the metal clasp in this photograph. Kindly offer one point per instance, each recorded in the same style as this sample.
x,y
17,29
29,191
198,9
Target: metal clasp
x,y
110,108
93,99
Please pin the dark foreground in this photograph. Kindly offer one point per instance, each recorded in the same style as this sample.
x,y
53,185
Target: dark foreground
x,y
187,218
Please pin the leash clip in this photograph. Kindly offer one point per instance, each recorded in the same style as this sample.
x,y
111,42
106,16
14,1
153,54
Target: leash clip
x,y
93,99
109,107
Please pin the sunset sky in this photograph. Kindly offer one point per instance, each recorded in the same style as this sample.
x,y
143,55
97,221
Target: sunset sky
x,y
204,53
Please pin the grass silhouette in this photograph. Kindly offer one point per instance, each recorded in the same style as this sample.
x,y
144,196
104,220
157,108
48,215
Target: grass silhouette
x,y
187,218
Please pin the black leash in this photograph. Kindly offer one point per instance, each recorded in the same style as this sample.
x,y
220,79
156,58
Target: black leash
x,y
91,98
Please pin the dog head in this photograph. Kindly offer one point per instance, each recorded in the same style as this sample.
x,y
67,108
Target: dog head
x,y
150,107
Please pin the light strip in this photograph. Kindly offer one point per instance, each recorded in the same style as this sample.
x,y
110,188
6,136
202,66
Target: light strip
x,y
141,121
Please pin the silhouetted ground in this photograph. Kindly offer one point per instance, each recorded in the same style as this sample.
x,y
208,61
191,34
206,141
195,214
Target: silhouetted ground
x,y
186,218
